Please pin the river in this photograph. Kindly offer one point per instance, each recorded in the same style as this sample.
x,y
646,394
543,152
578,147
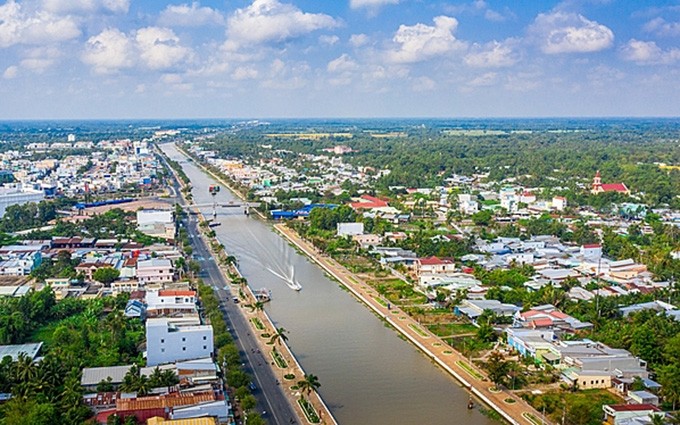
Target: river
x,y
368,374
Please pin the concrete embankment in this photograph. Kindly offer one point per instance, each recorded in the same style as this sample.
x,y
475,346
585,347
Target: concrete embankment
x,y
516,411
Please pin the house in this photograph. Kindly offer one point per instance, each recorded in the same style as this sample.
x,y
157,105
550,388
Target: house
x,y
660,306
599,187
472,309
169,341
621,414
643,397
587,379
559,203
368,202
453,282
157,223
92,376
434,265
534,343
155,270
548,317
367,241
466,204
30,349
166,301
591,250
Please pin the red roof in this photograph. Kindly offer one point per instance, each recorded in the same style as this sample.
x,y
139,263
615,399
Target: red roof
x,y
433,261
543,321
592,245
614,187
368,202
558,314
176,293
633,407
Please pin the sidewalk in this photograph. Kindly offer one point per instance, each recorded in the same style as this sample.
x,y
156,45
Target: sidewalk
x,y
512,408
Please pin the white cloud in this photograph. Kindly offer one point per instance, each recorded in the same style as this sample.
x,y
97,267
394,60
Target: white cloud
x,y
193,15
423,83
159,48
109,51
492,55
662,27
358,4
245,73
484,80
342,64
648,53
40,58
20,27
269,20
86,6
421,42
563,32
328,40
10,72
358,40
477,8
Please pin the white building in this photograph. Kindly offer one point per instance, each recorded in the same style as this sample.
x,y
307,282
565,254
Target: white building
x,y
155,270
467,205
350,229
168,341
158,223
559,203
18,196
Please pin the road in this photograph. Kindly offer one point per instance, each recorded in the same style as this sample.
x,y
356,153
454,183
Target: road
x,y
269,394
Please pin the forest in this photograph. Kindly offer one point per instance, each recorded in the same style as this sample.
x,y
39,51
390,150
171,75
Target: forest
x,y
562,162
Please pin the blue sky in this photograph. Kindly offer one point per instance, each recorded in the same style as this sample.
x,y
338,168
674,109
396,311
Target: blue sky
x,y
338,58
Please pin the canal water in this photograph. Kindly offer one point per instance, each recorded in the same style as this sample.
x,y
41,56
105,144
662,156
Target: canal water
x,y
368,374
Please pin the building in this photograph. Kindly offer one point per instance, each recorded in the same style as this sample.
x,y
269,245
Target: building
x,y
435,265
18,196
350,229
92,376
31,350
599,187
155,270
166,301
159,420
559,203
168,341
466,204
157,223
621,414
472,309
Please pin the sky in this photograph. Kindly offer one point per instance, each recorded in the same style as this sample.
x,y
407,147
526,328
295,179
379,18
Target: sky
x,y
120,59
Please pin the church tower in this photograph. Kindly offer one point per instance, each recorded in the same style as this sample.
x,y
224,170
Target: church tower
x,y
597,183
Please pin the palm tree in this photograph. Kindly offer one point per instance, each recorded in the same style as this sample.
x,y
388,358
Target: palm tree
x,y
24,369
309,384
278,336
656,419
259,306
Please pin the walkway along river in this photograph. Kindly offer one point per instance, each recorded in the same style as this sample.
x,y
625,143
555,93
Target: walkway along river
x,y
368,374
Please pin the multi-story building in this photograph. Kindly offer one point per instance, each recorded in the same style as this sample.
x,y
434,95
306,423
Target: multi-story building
x,y
155,270
169,341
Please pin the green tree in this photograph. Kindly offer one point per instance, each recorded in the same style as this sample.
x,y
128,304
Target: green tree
x,y
309,383
278,336
106,275
498,368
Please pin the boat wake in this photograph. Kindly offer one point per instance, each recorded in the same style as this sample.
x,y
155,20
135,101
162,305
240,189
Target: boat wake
x,y
290,280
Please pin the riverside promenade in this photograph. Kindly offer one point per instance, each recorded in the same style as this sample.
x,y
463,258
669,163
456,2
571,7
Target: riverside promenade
x,y
511,408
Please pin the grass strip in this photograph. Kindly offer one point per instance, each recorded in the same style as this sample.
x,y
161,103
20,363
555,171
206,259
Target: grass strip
x,y
470,370
309,411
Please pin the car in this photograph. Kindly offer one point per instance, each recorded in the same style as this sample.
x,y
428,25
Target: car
x,y
235,299
252,386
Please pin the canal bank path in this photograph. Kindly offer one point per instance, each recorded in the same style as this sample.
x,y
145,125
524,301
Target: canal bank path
x,y
510,407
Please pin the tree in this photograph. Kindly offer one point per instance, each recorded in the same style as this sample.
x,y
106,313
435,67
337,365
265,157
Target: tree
x,y
309,384
669,378
106,275
498,368
278,336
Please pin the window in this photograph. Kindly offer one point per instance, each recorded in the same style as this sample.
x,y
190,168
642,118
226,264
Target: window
x,y
184,348
205,338
162,341
184,339
162,350
205,347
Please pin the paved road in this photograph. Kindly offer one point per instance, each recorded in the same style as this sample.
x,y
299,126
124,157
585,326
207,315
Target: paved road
x,y
270,396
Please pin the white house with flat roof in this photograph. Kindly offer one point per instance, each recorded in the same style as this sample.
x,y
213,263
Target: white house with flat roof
x,y
168,341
